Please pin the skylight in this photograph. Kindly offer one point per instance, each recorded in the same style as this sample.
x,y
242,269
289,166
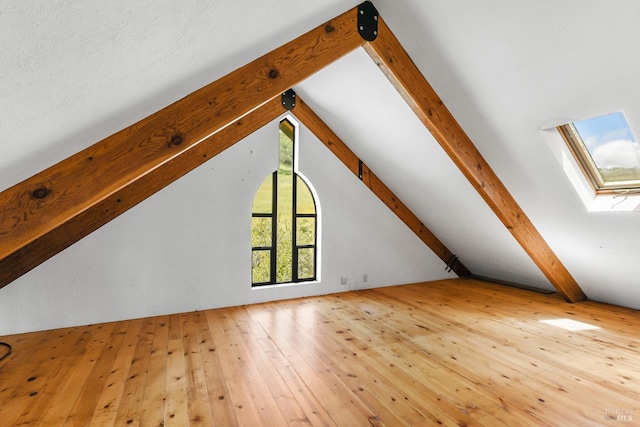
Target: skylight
x,y
606,150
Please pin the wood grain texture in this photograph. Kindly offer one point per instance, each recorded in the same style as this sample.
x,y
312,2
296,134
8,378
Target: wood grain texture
x,y
59,237
451,352
323,132
53,209
396,64
46,213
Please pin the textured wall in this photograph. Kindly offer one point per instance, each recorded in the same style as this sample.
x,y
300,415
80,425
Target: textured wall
x,y
188,247
74,72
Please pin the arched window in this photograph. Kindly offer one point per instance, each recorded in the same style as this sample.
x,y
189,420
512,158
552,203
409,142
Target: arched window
x,y
284,221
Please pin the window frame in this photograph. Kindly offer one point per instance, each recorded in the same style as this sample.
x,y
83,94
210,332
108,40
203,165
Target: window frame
x,y
271,248
585,161
295,215
619,200
295,252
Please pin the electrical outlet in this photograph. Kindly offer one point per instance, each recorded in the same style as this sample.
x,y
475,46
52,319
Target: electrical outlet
x,y
365,277
343,280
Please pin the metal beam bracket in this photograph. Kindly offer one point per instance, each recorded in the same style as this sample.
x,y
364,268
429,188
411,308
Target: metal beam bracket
x,y
452,263
360,169
289,99
368,21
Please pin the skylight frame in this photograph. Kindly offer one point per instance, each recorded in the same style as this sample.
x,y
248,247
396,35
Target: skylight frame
x,y
589,167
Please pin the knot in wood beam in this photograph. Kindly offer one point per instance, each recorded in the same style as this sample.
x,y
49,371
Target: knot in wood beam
x,y
40,193
176,140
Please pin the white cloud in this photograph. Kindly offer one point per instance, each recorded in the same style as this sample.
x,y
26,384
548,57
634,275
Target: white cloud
x,y
620,153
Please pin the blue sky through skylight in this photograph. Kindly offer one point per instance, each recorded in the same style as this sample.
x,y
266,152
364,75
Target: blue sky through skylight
x,y
609,141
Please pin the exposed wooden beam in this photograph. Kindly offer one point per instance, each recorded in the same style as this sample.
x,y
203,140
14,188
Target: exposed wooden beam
x,y
82,223
396,64
46,213
315,124
51,210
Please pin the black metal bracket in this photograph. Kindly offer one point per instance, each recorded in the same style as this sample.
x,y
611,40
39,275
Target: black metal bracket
x,y
289,99
360,169
368,21
452,263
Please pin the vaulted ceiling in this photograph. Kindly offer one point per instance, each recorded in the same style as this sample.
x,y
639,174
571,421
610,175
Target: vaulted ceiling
x,y
504,70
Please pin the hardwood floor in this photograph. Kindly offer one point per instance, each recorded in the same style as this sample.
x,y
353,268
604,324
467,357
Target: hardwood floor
x,y
456,352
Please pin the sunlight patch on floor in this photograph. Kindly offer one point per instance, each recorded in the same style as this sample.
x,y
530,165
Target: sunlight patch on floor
x,y
570,325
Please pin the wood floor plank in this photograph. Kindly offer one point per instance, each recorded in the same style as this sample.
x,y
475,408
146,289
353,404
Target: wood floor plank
x,y
126,340
450,388
452,352
315,414
76,373
342,403
342,349
176,410
48,373
255,374
446,343
290,410
214,372
27,373
238,390
197,393
381,414
132,394
613,344
106,408
567,345
363,338
151,411
539,375
31,343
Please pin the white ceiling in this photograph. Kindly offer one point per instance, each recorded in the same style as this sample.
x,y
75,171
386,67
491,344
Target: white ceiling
x,y
378,125
74,72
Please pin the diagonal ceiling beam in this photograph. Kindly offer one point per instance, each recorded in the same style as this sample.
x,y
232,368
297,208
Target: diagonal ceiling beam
x,y
315,124
86,221
396,64
46,213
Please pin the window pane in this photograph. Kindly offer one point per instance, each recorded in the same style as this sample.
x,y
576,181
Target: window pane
x,y
275,219
305,203
283,255
260,266
284,262
286,151
612,147
306,263
264,197
260,232
306,231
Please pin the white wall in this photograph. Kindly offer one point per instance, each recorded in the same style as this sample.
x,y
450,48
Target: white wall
x,y
381,128
188,247
506,70
74,72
